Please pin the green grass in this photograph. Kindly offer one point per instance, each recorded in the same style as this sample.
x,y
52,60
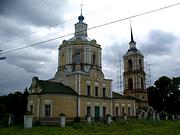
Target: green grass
x,y
132,127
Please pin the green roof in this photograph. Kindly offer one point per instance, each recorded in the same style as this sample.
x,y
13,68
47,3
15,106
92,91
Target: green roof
x,y
119,96
50,87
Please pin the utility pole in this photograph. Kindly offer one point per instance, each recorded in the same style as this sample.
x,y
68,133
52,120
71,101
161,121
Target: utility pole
x,y
2,58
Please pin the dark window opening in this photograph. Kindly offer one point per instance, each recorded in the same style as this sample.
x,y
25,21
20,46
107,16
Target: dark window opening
x,y
142,84
117,111
129,111
94,59
104,92
96,91
31,108
88,110
130,83
88,90
130,65
104,111
123,111
140,65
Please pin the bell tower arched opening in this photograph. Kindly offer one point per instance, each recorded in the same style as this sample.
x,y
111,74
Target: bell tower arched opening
x,y
130,83
130,64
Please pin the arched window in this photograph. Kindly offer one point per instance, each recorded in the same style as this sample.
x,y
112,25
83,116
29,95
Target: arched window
x,y
104,92
88,90
96,91
142,83
130,67
140,64
130,83
78,58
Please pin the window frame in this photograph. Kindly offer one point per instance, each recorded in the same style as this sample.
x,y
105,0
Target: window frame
x,y
47,111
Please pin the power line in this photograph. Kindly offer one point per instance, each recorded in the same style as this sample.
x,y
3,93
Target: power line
x,y
101,25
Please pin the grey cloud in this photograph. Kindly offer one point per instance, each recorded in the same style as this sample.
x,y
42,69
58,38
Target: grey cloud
x,y
10,29
39,13
158,42
20,18
158,47
112,53
52,45
13,78
33,61
111,56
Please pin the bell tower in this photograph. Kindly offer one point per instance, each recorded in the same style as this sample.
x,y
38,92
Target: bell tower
x,y
134,74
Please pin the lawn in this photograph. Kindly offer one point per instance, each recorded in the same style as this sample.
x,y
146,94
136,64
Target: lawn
x,y
132,127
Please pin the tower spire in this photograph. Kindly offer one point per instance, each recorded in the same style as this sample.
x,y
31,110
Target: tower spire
x,y
132,39
132,43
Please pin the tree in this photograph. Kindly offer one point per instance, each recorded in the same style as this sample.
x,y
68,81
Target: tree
x,y
14,103
165,95
153,98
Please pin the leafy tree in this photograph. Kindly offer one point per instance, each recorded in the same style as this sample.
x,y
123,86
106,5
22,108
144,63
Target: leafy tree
x,y
165,95
14,103
153,98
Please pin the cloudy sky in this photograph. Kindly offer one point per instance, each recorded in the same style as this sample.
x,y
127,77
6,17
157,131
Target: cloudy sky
x,y
27,22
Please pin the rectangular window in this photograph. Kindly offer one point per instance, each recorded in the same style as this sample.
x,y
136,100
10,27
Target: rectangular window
x,y
96,91
88,110
129,111
117,111
88,90
104,111
104,92
31,108
123,111
47,110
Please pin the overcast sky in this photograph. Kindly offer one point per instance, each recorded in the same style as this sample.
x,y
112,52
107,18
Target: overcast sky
x,y
26,22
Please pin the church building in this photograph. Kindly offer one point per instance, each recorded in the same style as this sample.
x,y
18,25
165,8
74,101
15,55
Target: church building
x,y
79,87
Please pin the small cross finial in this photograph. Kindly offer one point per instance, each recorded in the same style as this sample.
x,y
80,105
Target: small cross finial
x,y
81,8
